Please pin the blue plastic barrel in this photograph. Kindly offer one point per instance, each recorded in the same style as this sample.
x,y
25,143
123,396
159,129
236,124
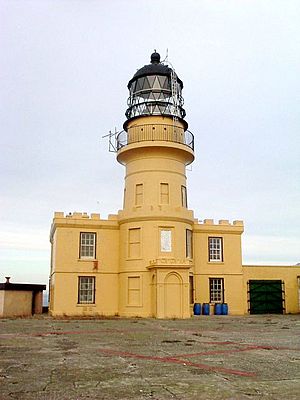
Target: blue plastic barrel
x,y
197,309
218,309
205,309
224,309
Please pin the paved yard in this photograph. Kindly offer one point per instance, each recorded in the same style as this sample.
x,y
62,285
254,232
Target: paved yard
x,y
206,357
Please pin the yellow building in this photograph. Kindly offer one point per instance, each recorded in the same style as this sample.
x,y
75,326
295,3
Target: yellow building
x,y
154,259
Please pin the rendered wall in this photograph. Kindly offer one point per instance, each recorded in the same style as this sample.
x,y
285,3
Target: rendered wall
x,y
288,274
17,303
67,266
230,269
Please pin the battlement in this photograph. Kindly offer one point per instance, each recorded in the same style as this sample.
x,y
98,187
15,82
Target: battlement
x,y
82,215
222,222
222,226
114,217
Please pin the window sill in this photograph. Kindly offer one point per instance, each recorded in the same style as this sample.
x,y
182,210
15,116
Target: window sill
x,y
134,305
86,305
216,262
87,259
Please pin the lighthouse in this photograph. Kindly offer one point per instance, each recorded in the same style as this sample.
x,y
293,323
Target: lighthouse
x,y
155,223
152,258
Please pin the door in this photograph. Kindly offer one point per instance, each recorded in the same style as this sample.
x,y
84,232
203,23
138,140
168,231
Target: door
x,y
173,296
265,297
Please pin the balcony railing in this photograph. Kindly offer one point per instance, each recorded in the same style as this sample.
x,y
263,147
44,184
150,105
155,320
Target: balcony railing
x,y
155,132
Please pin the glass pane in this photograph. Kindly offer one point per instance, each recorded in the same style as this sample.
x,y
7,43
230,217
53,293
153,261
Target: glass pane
x,y
146,83
167,83
156,84
166,241
151,80
162,108
141,82
162,80
156,110
137,86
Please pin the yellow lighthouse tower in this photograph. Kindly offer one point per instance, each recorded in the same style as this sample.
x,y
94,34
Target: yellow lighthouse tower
x,y
153,258
155,224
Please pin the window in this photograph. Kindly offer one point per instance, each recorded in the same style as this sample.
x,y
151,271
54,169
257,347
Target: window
x,y
86,290
216,290
189,243
134,290
191,282
87,245
215,247
124,198
134,243
139,193
166,241
183,197
164,193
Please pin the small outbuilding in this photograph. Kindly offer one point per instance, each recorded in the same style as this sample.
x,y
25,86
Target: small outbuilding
x,y
20,299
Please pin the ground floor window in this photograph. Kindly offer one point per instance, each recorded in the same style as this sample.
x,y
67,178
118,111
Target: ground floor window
x,y
134,291
191,282
86,290
216,290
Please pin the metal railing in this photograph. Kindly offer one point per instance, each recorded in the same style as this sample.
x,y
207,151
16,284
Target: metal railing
x,y
155,132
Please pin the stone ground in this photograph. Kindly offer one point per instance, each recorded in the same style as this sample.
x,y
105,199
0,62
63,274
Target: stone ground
x,y
206,357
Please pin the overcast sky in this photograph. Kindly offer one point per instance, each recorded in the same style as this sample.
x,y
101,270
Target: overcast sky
x,y
64,69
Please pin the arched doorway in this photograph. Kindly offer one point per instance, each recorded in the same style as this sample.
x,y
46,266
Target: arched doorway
x,y
173,296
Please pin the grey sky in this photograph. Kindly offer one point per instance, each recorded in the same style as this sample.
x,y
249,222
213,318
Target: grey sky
x,y
63,83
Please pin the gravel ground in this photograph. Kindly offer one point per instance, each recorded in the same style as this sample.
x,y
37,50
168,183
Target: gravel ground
x,y
206,357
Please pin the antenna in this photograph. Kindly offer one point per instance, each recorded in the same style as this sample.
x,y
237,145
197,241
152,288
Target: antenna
x,y
112,140
166,58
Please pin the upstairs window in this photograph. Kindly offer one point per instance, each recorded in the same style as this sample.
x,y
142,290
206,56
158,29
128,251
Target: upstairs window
x,y
216,290
87,245
189,243
86,290
183,197
139,194
164,193
165,240
134,243
215,248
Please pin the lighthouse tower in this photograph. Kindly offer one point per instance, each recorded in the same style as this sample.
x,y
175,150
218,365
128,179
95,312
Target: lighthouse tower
x,y
153,258
155,224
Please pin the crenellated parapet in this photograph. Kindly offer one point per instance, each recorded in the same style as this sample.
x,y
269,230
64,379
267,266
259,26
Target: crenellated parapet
x,y
222,226
81,215
82,220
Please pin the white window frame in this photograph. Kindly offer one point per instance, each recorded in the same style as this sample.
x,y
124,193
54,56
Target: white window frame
x,y
87,247
216,290
165,240
215,249
86,289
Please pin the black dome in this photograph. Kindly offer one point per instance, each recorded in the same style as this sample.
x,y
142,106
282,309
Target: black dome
x,y
155,68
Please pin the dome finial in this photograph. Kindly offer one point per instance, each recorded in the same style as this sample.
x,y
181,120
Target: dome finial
x,y
155,57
